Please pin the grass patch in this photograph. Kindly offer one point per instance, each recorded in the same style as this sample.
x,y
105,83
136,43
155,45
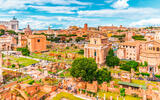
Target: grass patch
x,y
66,73
68,96
22,61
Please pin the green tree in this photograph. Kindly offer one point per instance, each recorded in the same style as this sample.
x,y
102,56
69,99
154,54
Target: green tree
x,y
122,91
133,64
145,63
112,61
56,39
11,32
103,75
110,52
139,37
2,31
125,67
78,39
25,51
128,65
84,68
81,52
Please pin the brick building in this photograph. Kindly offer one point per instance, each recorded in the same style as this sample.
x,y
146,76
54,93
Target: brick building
x,y
37,43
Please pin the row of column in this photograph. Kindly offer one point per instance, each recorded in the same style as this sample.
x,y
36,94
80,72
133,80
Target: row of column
x,y
90,52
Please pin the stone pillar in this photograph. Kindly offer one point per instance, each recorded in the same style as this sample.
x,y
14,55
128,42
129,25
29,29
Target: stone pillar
x,y
111,98
87,52
144,95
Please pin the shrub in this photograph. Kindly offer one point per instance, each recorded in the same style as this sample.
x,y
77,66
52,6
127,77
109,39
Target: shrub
x,y
75,47
145,74
67,47
84,36
158,76
31,82
139,38
25,51
122,91
81,52
13,65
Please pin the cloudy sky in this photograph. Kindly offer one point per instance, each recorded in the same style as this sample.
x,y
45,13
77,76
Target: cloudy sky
x,y
62,13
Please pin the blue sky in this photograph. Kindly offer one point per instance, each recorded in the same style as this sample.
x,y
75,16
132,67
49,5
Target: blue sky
x,y
63,13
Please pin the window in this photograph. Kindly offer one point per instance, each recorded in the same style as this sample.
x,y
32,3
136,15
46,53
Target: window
x,y
95,41
153,48
95,54
157,48
38,40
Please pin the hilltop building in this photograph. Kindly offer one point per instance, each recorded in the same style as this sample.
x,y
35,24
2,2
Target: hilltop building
x,y
28,30
49,31
11,25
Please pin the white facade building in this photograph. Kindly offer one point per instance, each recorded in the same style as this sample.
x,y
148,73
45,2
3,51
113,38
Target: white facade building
x,y
11,25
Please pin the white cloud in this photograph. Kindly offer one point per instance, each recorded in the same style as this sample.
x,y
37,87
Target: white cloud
x,y
56,9
42,22
35,24
24,4
108,1
120,4
129,13
146,22
14,12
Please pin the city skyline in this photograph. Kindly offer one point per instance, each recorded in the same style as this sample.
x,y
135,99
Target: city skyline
x,y
63,13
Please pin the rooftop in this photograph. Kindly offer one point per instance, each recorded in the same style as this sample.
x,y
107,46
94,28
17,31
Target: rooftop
x,y
132,84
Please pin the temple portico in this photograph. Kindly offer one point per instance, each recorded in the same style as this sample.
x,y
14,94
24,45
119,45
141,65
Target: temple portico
x,y
97,49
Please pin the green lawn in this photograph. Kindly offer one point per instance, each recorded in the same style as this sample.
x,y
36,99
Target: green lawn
x,y
68,96
22,61
43,57
114,96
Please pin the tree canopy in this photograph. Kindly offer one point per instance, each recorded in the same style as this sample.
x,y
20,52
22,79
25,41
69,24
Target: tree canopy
x,y
103,75
86,69
139,37
25,51
128,65
11,32
110,52
112,60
